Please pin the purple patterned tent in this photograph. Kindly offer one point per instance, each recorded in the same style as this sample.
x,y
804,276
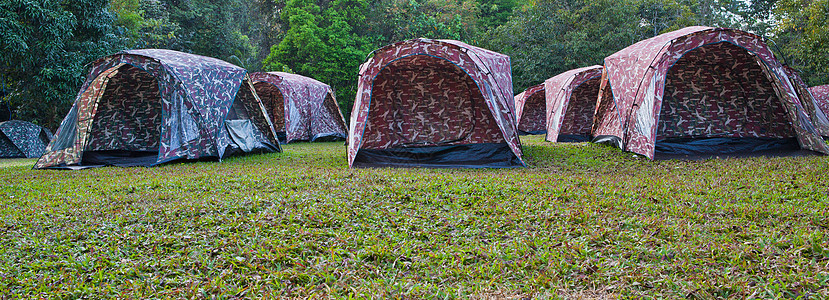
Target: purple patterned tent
x,y
434,103
701,90
146,107
530,108
19,139
816,114
571,102
301,108
821,94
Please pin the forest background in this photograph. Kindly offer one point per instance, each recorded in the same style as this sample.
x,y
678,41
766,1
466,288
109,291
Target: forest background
x,y
47,44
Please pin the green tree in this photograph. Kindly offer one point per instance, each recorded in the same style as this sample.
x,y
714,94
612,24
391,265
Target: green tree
x,y
320,43
206,27
555,36
803,34
548,37
46,45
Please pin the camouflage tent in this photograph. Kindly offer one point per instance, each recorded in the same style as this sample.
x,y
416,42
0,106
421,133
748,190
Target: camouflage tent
x,y
434,103
146,107
530,108
19,139
301,108
821,95
701,90
816,114
571,102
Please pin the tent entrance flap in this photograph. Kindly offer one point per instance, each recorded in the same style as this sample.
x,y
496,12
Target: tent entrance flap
x,y
534,115
422,100
578,115
486,155
245,136
128,116
274,103
718,91
126,129
242,134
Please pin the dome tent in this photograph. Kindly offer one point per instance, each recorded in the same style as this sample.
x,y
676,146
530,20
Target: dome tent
x,y
571,102
21,139
701,90
146,107
821,95
434,103
531,110
301,108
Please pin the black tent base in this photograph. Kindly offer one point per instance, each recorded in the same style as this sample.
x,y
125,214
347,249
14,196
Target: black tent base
x,y
486,155
727,147
119,158
573,138
329,137
321,137
282,137
534,132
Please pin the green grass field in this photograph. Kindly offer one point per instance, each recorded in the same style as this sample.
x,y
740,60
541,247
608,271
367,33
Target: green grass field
x,y
582,221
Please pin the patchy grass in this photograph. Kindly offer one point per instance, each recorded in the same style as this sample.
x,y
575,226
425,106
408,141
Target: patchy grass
x,y
583,220
17,162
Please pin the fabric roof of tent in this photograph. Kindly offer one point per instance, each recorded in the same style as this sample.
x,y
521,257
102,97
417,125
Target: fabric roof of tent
x,y
530,109
434,103
571,102
633,93
150,106
19,139
821,95
307,110
816,114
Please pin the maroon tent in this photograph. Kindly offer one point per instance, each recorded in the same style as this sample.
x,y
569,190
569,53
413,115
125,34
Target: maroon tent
x,y
150,106
571,103
816,114
301,108
434,103
701,90
821,95
531,107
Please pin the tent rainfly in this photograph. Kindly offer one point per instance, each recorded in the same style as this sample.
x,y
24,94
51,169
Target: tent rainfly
x,y
21,139
821,95
571,103
530,107
434,103
816,114
147,107
701,91
301,108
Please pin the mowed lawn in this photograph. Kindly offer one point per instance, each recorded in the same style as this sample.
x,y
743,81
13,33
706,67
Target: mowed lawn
x,y
582,220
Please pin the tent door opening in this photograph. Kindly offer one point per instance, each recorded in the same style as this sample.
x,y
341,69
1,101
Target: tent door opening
x,y
126,128
244,135
534,116
718,100
274,103
578,115
426,111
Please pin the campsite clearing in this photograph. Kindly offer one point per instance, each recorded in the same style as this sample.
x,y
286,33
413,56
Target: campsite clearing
x,y
583,220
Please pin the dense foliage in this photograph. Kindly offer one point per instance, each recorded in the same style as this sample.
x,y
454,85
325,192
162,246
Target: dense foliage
x,y
47,44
